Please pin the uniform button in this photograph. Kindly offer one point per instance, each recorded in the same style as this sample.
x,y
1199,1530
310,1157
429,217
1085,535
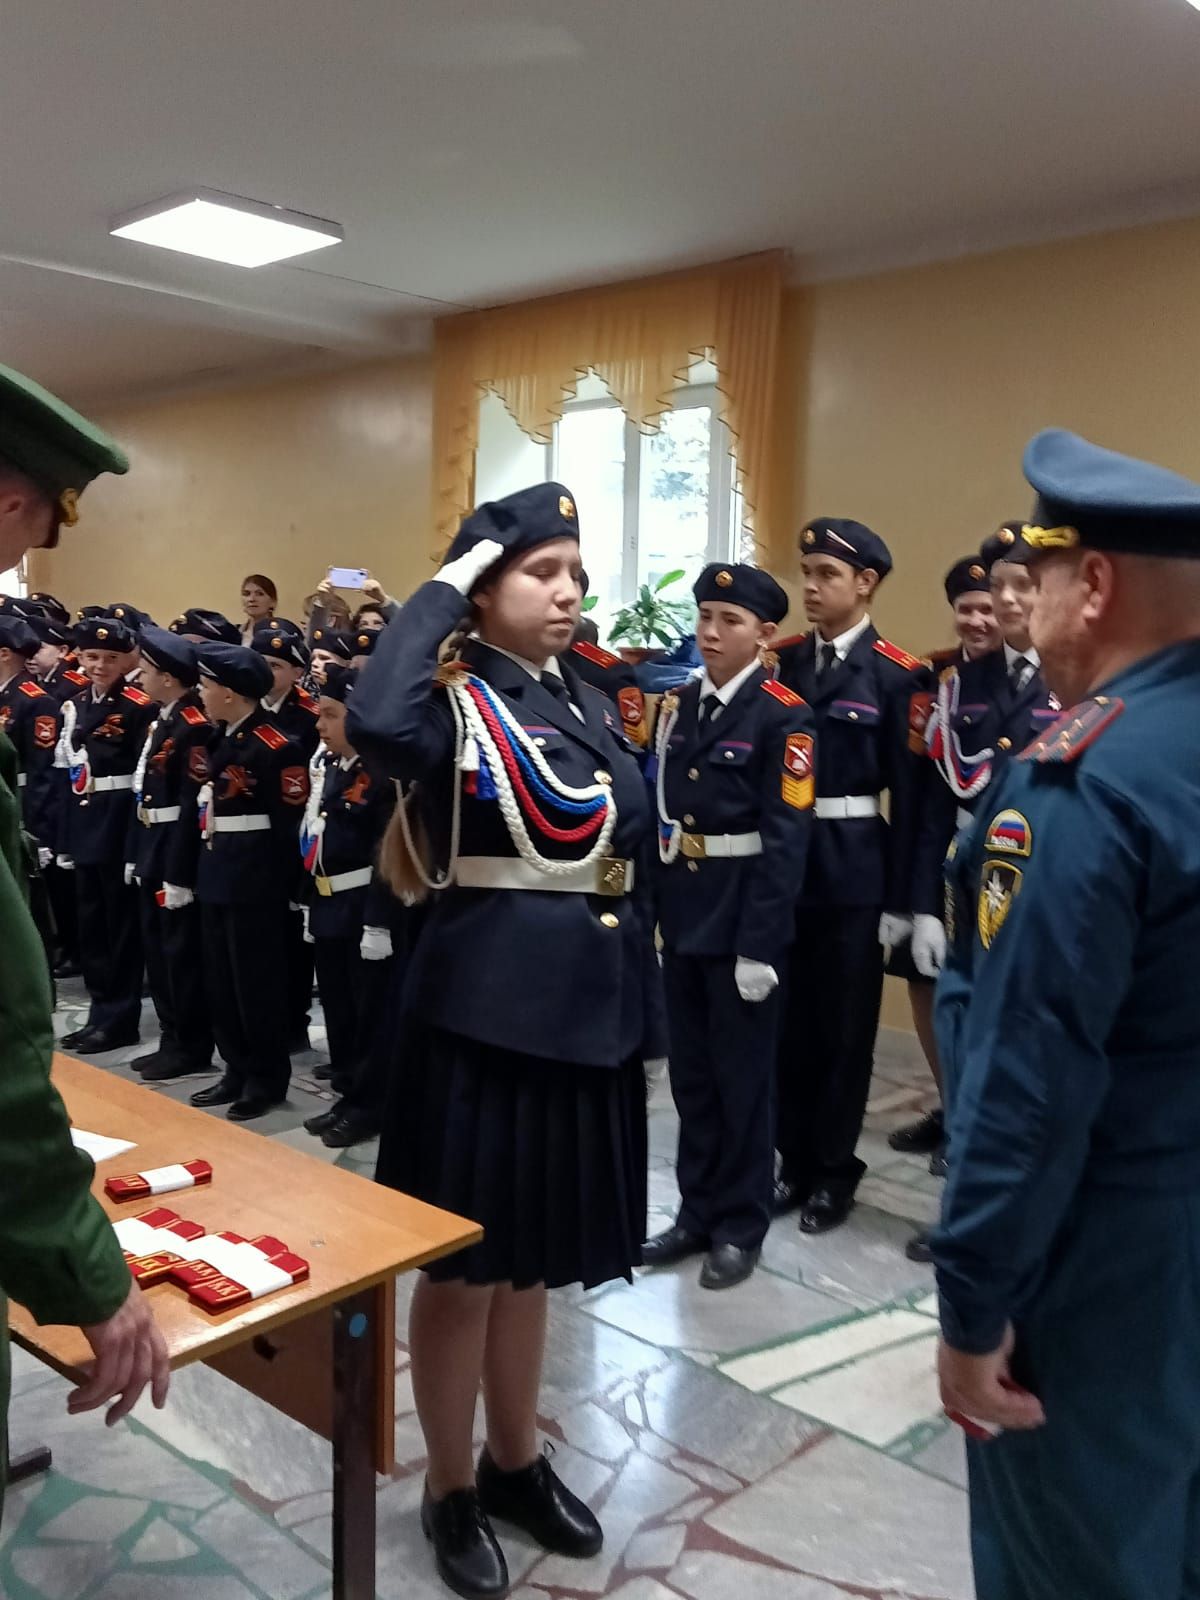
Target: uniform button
x,y
1004,744
729,755
609,919
689,820
693,774
324,814
854,716
540,743
602,777
693,866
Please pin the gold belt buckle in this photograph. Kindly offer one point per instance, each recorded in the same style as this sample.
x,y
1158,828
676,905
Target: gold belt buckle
x,y
143,816
611,874
323,885
693,846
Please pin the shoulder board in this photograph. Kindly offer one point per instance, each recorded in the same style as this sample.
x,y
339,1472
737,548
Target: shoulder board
x,y
786,644
270,735
75,677
138,696
33,690
593,653
307,701
894,653
781,692
193,716
1067,739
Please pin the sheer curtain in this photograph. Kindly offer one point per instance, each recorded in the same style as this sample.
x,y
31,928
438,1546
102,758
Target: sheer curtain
x,y
640,337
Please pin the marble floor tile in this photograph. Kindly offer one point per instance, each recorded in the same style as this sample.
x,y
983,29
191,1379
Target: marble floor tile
x,y
264,1555
847,1514
927,1306
96,1519
945,1456
716,1421
900,1200
879,1398
862,1263
157,1586
708,1575
656,1548
830,1347
592,1430
61,1572
642,1589
162,1542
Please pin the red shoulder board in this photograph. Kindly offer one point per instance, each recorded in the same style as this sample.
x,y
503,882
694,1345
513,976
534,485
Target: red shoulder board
x,y
138,696
193,716
75,677
593,652
33,690
786,644
943,658
307,701
894,653
1067,739
270,735
781,692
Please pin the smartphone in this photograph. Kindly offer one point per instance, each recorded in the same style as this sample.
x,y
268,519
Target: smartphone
x,y
348,577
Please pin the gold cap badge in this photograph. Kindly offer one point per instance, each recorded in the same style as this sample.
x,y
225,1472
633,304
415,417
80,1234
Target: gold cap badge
x,y
276,643
976,571
364,639
102,633
808,537
566,507
723,580
1007,536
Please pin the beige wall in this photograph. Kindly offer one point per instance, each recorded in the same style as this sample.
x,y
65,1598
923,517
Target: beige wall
x,y
283,479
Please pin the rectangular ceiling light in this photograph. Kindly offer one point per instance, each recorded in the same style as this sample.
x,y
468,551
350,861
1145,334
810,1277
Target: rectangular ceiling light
x,y
224,227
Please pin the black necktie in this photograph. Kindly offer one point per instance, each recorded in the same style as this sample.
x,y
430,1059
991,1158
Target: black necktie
x,y
826,657
556,686
710,709
1022,671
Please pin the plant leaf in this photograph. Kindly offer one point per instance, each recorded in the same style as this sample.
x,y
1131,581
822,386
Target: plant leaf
x,y
667,579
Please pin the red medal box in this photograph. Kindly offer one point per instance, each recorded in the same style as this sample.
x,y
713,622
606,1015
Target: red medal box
x,y
158,1180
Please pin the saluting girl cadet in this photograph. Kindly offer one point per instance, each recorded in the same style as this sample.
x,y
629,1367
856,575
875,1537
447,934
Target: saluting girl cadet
x,y
520,1101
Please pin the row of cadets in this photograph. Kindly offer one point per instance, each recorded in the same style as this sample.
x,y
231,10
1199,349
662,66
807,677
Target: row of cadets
x,y
612,676
200,626
869,700
735,789
102,733
249,800
354,922
29,716
163,848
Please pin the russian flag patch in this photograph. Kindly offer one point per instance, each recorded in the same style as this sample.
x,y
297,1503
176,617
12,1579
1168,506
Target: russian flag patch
x,y
1009,834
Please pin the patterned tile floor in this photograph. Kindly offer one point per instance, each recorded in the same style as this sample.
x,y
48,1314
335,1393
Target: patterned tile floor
x,y
778,1442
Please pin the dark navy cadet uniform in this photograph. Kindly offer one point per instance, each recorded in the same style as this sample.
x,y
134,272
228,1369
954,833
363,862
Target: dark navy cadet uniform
x,y
869,712
736,788
1069,1026
29,716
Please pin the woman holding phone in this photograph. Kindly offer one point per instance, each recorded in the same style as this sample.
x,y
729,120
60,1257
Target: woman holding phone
x,y
528,1000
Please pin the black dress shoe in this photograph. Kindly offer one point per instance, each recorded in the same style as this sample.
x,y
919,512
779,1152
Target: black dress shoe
x,y
351,1126
76,1039
98,1040
785,1196
917,1248
920,1137
168,1066
825,1209
673,1244
727,1265
322,1120
469,1560
938,1165
222,1093
140,1063
254,1105
323,1072
538,1502
67,968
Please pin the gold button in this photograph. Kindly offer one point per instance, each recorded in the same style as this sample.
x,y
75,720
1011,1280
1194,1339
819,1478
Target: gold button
x,y
693,774
693,866
603,777
689,820
609,919
1004,744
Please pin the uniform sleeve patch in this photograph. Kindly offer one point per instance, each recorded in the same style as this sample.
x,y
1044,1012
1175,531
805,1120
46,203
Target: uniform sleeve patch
x,y
45,732
632,705
193,716
593,652
893,652
271,736
1078,728
293,785
797,786
999,886
198,770
919,708
781,692
1009,834
138,696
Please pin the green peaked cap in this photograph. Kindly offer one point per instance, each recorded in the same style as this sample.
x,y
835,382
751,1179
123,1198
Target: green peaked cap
x,y
49,442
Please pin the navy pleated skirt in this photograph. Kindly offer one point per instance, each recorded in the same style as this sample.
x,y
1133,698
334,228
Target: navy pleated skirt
x,y
549,1157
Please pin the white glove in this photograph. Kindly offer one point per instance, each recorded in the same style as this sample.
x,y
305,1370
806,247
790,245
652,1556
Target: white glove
x,y
894,929
754,979
375,944
464,572
304,915
130,873
175,898
45,857
65,863
928,944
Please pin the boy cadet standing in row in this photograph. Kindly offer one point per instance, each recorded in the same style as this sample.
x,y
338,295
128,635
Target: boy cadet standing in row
x,y
29,716
869,700
164,845
735,795
249,806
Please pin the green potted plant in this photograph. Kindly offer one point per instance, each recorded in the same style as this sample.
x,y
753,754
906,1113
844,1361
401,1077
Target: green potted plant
x,y
652,623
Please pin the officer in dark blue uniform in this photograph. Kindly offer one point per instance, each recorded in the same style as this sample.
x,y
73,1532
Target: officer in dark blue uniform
x,y
249,805
164,846
29,716
735,791
353,919
869,700
1068,1020
103,730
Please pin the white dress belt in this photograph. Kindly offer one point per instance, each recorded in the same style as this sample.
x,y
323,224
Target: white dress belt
x,y
608,876
152,814
707,846
842,807
358,878
123,780
259,822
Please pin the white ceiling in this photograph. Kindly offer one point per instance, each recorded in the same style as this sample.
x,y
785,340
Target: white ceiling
x,y
483,150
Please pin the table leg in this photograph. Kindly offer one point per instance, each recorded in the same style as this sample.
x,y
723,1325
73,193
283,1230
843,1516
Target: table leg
x,y
355,1400
29,1465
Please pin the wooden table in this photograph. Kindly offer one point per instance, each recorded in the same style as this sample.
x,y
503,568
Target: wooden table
x,y
322,1351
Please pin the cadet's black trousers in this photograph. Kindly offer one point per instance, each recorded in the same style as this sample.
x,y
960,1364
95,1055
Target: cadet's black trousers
x,y
175,969
299,978
60,885
827,1044
722,1064
354,998
110,947
246,979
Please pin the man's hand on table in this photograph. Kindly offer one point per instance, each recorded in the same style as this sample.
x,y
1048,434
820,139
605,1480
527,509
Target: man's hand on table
x,y
130,1353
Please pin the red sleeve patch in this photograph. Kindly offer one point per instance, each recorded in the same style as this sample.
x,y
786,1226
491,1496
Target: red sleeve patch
x,y
593,652
45,732
197,764
138,696
894,653
781,692
293,785
307,701
271,736
193,716
919,708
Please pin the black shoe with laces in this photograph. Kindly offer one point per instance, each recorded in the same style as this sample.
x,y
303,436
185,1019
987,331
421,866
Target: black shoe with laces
x,y
469,1559
536,1500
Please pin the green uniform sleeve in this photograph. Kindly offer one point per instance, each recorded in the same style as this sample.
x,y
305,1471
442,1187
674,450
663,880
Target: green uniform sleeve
x,y
58,1254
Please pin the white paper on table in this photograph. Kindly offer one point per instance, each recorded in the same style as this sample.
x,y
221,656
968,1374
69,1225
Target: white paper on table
x,y
98,1145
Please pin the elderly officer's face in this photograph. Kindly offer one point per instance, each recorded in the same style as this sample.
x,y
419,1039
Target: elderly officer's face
x,y
834,592
1012,597
729,638
1063,608
532,607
